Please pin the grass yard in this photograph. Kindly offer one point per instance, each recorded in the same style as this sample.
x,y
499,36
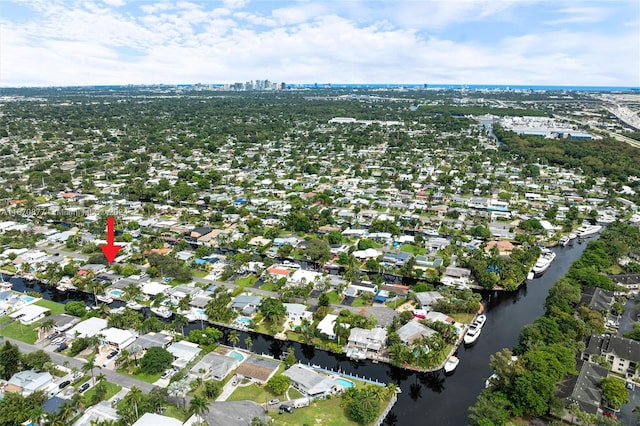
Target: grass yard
x,y
112,389
247,281
326,412
175,412
252,392
200,274
395,303
295,393
334,297
360,301
410,248
4,319
268,287
24,333
462,317
56,308
149,378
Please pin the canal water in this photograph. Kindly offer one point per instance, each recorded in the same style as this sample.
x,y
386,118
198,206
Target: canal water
x,y
443,400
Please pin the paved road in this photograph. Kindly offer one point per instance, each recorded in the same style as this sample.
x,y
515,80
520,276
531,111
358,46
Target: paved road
x,y
112,376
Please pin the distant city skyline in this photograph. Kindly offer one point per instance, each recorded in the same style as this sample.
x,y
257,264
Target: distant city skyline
x,y
458,42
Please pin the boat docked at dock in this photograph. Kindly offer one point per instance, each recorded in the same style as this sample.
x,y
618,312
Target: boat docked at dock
x,y
588,230
163,312
564,241
5,285
472,334
451,364
356,354
134,305
104,298
544,261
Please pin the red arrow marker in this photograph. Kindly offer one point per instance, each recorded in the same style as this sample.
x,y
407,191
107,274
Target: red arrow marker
x,y
110,250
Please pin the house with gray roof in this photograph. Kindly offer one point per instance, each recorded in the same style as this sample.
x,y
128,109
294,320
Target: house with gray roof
x,y
258,369
412,331
371,340
310,383
428,298
247,304
585,389
214,366
622,353
150,340
28,381
597,299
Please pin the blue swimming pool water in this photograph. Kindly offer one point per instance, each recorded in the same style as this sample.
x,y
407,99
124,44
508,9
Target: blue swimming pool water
x,y
116,292
236,355
345,383
27,299
244,320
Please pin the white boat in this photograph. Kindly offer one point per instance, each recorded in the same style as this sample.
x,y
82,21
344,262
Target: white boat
x,y
5,285
544,261
356,354
588,230
134,305
163,312
531,275
104,298
472,334
479,322
573,236
564,241
451,364
489,382
117,310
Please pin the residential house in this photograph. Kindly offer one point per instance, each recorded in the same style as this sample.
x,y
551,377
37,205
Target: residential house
x,y
117,338
29,314
503,247
184,352
369,340
214,366
310,383
63,322
87,328
631,282
258,369
597,299
247,304
153,419
326,326
412,331
427,298
585,389
455,276
151,339
622,353
28,381
397,259
296,312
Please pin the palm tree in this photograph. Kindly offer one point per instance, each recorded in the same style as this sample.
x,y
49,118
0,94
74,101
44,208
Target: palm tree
x,y
66,411
89,366
198,406
47,325
36,415
248,342
234,338
134,397
131,292
178,389
180,321
135,350
124,359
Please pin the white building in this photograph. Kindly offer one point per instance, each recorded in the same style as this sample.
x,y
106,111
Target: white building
x,y
87,328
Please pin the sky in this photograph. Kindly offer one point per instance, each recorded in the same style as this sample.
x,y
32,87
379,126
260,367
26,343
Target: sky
x,y
520,42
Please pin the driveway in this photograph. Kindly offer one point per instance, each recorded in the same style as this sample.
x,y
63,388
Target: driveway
x,y
629,316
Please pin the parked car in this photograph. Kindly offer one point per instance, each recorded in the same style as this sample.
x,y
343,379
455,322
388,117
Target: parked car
x,y
58,340
166,374
287,408
274,401
64,384
62,347
112,354
84,387
115,402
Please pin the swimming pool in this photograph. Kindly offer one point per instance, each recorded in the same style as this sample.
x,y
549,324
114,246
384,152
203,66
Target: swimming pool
x,y
116,292
27,299
244,320
344,383
236,355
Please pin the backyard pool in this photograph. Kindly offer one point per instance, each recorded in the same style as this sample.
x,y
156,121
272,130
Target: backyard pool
x,y
344,383
27,299
244,320
236,355
116,292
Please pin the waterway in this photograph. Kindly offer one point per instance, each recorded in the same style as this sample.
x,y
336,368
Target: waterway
x,y
443,400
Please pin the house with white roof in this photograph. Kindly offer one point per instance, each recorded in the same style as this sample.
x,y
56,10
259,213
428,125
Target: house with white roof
x,y
87,328
296,312
118,338
28,381
326,326
29,314
152,288
184,352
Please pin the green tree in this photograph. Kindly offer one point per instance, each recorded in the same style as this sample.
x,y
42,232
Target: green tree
x,y
35,360
198,406
318,250
234,338
77,309
272,309
278,384
155,360
9,360
614,391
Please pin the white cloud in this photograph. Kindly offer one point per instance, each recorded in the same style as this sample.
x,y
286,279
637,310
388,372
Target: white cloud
x,y
580,15
188,42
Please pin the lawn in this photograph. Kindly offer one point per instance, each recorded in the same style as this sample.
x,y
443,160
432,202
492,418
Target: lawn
x,y
24,333
247,281
5,318
360,301
334,297
175,412
149,378
462,317
252,392
200,274
112,389
326,412
294,393
268,287
395,303
56,308
410,248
